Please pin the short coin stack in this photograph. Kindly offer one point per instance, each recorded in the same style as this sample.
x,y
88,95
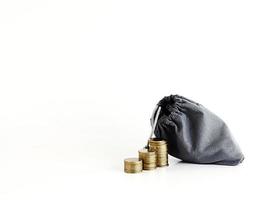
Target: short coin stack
x,y
149,159
160,147
133,165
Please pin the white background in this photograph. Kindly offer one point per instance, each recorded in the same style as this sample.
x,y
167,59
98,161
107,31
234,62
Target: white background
x,y
80,79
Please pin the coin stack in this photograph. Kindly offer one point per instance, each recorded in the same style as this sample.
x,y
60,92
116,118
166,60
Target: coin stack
x,y
160,147
133,165
149,159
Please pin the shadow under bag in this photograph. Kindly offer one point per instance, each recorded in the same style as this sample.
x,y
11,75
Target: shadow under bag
x,y
194,134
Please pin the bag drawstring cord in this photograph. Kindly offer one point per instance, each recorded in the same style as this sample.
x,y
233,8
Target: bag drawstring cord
x,y
154,122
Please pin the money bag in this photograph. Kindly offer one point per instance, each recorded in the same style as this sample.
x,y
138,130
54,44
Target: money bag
x,y
193,133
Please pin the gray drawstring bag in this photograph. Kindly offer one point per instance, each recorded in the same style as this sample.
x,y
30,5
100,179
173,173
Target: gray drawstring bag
x,y
194,134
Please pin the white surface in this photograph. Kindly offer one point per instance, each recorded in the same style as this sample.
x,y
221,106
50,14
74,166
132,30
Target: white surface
x,y
79,81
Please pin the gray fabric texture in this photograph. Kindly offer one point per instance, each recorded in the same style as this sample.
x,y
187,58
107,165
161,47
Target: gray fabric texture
x,y
194,134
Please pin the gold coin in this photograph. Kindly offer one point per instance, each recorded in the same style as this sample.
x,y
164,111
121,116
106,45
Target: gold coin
x,y
132,171
150,161
146,153
159,150
159,156
150,165
132,161
162,165
157,142
149,168
161,153
162,161
162,158
163,147
133,165
147,156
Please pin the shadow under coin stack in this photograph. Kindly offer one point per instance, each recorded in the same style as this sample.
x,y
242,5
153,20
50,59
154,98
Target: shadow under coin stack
x,y
133,165
149,159
160,147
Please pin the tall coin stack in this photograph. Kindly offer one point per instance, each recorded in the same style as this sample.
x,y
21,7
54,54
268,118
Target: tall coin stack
x,y
160,147
149,159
